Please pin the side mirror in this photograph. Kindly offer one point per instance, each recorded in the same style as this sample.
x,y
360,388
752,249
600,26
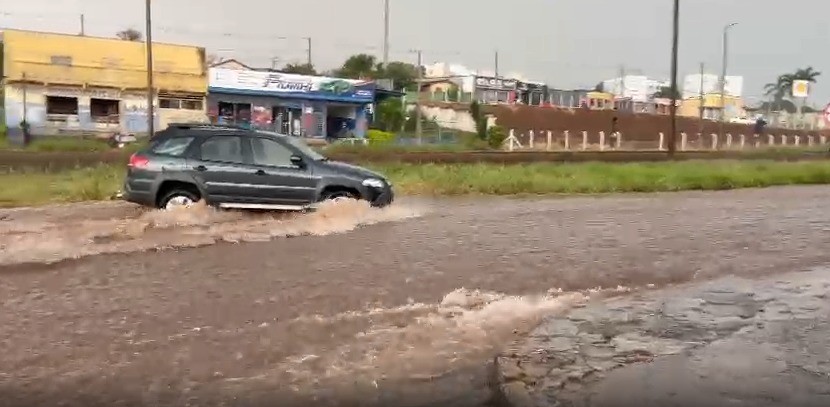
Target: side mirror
x,y
297,160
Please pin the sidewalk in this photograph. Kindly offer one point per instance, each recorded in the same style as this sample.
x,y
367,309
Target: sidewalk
x,y
731,341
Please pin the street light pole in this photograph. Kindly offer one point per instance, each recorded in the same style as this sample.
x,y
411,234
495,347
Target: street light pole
x,y
385,32
723,77
673,107
148,36
418,128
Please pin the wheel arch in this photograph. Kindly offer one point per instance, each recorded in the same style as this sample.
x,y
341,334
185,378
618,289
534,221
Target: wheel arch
x,y
334,188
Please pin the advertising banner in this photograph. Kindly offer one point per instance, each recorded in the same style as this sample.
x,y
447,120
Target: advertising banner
x,y
278,84
491,83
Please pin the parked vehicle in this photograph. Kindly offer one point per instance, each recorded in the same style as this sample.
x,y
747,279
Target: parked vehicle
x,y
231,167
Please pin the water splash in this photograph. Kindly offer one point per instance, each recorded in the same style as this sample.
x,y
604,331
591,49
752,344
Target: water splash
x,y
41,240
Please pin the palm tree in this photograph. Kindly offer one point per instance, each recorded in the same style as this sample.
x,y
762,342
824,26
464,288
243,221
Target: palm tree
x,y
783,86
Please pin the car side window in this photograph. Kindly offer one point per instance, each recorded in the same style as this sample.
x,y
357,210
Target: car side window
x,y
270,152
174,147
223,149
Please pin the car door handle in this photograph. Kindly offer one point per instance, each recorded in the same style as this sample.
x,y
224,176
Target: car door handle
x,y
260,172
200,168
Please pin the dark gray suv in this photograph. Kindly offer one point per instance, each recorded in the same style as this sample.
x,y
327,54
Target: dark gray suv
x,y
231,167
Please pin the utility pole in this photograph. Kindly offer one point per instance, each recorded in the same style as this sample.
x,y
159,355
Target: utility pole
x,y
148,35
309,51
83,31
673,107
622,84
496,64
418,129
385,32
700,109
723,78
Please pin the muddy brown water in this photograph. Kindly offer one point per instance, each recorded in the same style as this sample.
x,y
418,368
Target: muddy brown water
x,y
350,305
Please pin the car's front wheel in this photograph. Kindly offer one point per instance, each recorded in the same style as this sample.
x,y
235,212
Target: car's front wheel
x,y
337,195
178,198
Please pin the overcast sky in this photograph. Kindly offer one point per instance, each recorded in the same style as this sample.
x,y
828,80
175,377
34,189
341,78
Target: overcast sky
x,y
567,43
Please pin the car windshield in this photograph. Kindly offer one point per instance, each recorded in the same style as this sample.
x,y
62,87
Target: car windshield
x,y
302,146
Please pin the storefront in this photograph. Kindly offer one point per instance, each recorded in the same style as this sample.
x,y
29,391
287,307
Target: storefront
x,y
299,105
490,90
533,93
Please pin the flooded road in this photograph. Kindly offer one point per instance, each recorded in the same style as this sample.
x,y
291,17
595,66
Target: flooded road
x,y
408,305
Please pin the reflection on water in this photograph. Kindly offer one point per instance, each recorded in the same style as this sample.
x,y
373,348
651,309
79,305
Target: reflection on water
x,y
42,240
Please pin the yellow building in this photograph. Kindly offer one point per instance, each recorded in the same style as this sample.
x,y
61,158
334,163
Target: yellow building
x,y
78,84
712,107
599,100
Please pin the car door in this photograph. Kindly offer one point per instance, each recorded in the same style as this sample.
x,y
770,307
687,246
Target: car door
x,y
279,181
220,166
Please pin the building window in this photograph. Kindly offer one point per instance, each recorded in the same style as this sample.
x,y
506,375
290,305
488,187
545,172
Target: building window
x,y
104,110
61,105
177,103
61,60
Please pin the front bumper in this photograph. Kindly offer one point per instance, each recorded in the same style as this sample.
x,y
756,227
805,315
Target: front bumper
x,y
382,197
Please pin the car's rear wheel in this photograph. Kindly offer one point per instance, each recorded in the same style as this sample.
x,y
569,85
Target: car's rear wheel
x,y
178,198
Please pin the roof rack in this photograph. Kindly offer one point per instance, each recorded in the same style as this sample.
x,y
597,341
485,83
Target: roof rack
x,y
197,125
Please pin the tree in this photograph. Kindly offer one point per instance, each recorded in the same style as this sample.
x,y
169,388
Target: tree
x,y
360,66
783,85
391,115
402,74
300,69
212,59
130,34
480,120
666,93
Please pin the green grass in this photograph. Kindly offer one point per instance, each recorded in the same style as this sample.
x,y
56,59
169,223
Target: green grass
x,y
598,178
102,182
67,144
37,188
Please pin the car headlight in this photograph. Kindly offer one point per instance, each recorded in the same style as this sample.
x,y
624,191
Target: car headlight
x,y
374,183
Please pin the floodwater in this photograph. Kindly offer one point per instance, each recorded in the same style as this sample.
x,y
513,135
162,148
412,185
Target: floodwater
x,y
407,305
123,228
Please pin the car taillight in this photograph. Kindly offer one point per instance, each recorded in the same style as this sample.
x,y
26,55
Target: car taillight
x,y
137,161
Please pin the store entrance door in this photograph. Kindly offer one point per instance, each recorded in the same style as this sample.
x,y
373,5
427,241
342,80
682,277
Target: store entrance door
x,y
287,120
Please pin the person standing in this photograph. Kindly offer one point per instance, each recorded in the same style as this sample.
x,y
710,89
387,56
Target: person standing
x,y
760,125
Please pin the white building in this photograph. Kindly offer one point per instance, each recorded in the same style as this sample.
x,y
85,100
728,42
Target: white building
x,y
638,88
711,84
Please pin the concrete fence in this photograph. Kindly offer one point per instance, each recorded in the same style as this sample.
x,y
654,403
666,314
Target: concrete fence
x,y
546,140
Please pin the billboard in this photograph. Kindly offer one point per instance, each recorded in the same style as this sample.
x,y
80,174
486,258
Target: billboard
x,y
801,89
264,83
711,84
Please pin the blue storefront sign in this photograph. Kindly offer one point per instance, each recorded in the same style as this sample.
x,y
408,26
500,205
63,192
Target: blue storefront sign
x,y
263,83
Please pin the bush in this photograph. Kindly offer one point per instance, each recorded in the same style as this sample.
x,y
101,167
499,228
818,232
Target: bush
x,y
380,137
496,136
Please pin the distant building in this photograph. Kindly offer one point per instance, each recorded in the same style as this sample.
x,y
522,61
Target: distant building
x,y
712,107
71,84
694,85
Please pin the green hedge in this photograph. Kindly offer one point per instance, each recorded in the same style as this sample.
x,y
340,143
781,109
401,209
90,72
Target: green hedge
x,y
380,137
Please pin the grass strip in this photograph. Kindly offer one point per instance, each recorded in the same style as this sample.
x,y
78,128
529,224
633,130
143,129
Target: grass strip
x,y
102,182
